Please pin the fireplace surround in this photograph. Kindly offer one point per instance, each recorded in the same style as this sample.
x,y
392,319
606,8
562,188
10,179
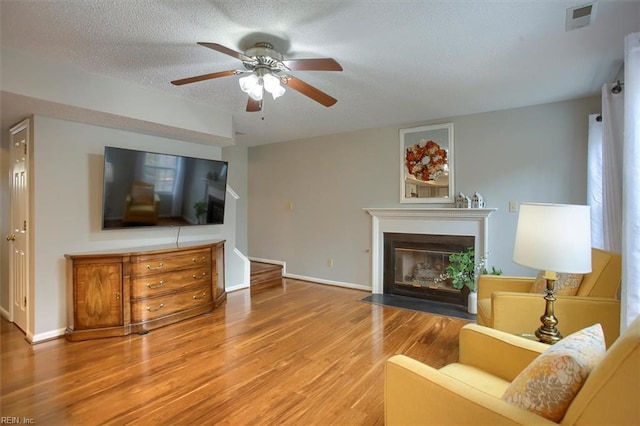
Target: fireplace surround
x,y
451,222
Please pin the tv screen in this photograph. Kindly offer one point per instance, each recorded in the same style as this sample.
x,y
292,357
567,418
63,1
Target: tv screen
x,y
152,189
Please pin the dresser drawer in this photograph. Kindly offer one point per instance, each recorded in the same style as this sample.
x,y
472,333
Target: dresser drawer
x,y
153,264
156,307
170,282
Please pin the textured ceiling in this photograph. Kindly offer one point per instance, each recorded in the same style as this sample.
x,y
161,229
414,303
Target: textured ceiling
x,y
404,61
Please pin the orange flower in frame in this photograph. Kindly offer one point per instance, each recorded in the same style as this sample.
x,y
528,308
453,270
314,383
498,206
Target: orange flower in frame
x,y
426,160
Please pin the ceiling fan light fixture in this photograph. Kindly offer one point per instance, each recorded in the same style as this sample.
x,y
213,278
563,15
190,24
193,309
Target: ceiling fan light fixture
x,y
249,82
273,86
277,92
256,92
252,86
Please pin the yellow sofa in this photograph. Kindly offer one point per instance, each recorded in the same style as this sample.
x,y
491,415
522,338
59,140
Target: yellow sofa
x,y
470,391
505,303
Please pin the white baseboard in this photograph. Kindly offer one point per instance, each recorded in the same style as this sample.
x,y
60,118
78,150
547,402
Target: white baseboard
x,y
311,279
4,313
328,282
236,287
271,261
41,337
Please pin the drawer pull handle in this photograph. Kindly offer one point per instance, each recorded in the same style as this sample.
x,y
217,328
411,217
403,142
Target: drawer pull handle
x,y
202,259
202,296
160,284
196,276
156,309
151,268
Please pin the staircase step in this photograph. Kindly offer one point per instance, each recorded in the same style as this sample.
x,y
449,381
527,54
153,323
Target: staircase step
x,y
265,272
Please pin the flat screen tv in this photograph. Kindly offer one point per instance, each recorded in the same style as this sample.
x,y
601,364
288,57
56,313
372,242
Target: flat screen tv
x,y
143,189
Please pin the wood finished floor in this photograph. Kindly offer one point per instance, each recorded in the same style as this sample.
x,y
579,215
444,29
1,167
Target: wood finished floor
x,y
299,354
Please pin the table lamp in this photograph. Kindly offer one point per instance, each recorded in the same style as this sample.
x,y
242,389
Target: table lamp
x,y
553,238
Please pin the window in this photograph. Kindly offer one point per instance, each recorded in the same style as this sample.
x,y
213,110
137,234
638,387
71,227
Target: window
x,y
161,170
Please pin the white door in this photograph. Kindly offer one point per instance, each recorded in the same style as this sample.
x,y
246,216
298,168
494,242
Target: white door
x,y
18,237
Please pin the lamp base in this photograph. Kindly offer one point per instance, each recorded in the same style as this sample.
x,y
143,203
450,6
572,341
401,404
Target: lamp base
x,y
547,332
548,335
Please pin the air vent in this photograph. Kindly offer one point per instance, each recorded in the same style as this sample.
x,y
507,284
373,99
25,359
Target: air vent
x,y
581,16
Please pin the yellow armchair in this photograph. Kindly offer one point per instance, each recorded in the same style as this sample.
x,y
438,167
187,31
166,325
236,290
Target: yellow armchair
x,y
470,391
142,204
505,303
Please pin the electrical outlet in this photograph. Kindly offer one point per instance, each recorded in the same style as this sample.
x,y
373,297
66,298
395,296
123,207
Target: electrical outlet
x,y
330,263
513,206
290,205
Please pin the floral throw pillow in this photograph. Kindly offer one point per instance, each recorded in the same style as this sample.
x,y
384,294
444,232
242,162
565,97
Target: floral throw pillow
x,y
548,385
565,285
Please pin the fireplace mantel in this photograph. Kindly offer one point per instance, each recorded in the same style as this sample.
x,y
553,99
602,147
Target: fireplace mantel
x,y
429,212
437,221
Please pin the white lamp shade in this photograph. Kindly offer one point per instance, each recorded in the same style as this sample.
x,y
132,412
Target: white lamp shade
x,y
270,82
277,92
252,86
248,83
256,92
554,237
272,85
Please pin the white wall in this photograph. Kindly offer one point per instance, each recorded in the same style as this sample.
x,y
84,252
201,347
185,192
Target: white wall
x,y
237,179
4,222
65,92
535,154
67,183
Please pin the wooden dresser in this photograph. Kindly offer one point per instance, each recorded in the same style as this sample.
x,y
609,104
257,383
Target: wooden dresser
x,y
127,291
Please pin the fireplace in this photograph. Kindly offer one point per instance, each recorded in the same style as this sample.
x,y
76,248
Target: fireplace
x,y
214,195
414,265
215,210
453,223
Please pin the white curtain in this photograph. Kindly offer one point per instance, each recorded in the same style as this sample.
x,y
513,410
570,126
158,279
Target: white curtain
x,y
612,146
604,177
631,184
594,180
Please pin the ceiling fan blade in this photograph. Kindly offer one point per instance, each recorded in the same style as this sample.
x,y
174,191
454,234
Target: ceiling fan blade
x,y
205,77
222,49
320,64
308,90
253,105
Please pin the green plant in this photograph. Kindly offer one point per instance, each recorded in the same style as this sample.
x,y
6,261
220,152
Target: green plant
x,y
200,208
463,271
494,271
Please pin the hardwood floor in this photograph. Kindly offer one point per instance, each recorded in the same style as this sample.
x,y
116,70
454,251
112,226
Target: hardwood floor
x,y
299,354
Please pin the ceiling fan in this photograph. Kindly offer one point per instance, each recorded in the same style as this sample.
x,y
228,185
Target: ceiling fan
x,y
268,71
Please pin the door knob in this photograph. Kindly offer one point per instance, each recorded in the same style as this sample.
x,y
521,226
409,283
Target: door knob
x,y
11,237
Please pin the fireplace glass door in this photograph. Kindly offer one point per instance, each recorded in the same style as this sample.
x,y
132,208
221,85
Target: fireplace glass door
x,y
415,265
422,268
421,273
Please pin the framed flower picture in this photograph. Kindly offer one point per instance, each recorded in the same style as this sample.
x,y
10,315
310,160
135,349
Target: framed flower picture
x,y
426,164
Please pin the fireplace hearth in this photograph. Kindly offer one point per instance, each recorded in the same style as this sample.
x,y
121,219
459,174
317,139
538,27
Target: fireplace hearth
x,y
414,265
